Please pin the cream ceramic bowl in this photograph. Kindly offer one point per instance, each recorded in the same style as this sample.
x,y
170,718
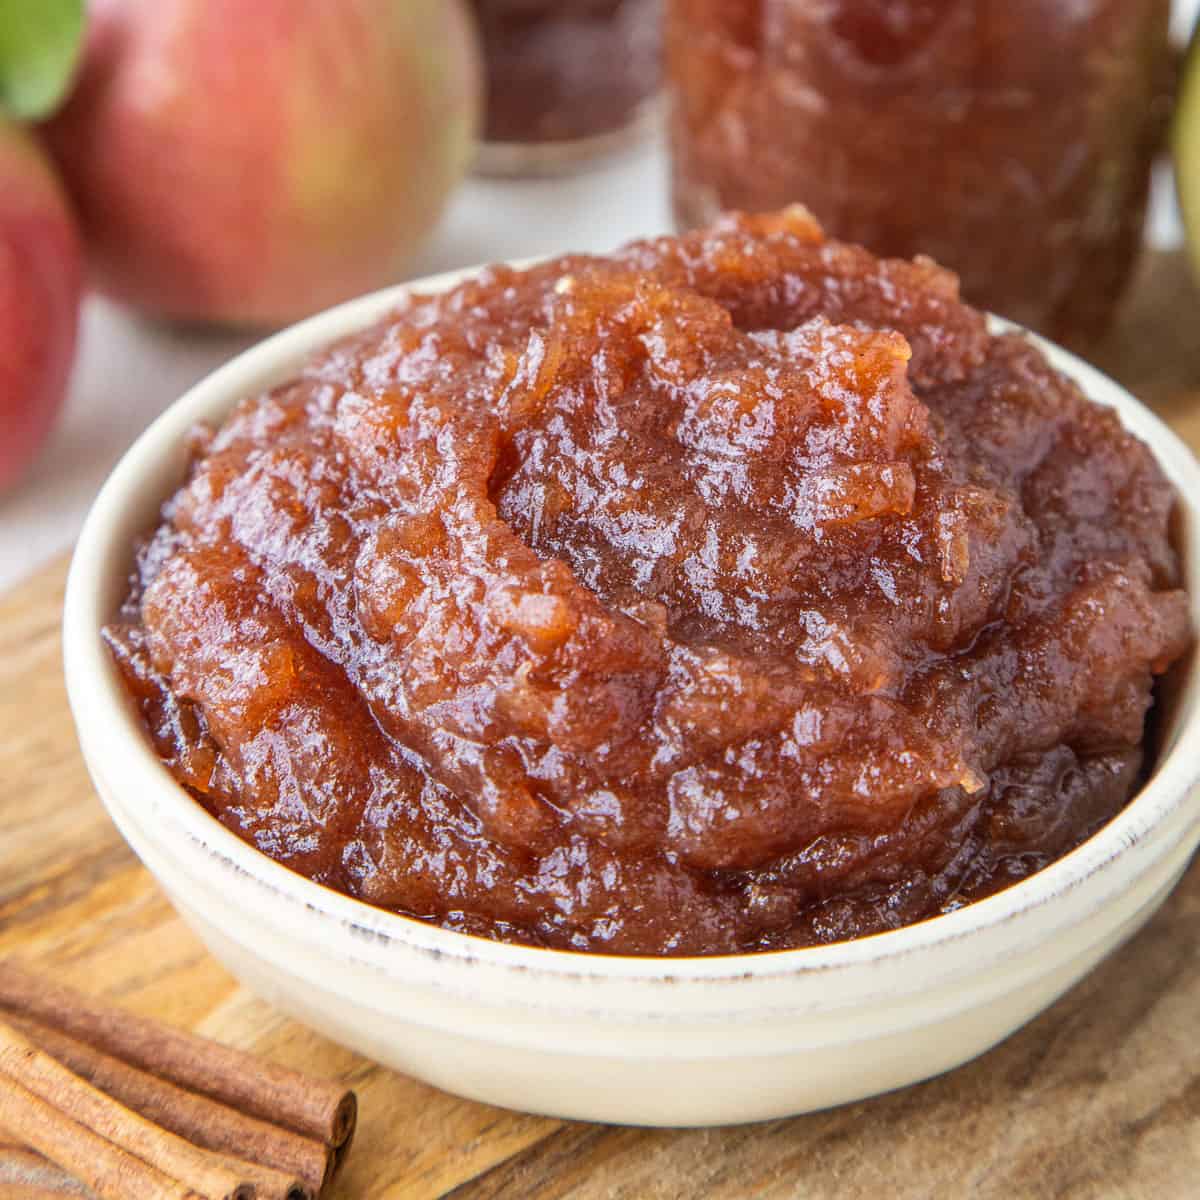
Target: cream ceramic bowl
x,y
643,1041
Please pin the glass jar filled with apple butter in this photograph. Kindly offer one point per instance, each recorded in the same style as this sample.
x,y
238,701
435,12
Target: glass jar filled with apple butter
x,y
1011,140
566,79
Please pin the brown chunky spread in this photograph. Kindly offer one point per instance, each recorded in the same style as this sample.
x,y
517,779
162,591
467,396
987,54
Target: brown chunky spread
x,y
736,592
1012,142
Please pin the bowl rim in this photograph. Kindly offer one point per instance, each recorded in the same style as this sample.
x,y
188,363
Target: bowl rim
x,y
105,717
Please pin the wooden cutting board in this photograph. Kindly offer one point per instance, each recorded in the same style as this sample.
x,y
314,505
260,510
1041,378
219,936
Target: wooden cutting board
x,y
1100,1097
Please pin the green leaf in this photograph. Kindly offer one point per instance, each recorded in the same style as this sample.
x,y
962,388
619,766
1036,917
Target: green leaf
x,y
1186,148
40,42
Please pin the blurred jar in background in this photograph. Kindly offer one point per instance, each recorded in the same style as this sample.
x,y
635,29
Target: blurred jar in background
x,y
1009,139
566,79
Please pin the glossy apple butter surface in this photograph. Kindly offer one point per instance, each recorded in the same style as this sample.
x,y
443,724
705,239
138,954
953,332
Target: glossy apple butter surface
x,y
735,592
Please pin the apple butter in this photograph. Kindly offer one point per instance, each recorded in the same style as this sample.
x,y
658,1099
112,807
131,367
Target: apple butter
x,y
1011,140
566,79
736,592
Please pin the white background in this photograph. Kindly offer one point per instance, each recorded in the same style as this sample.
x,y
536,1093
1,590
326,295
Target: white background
x,y
129,369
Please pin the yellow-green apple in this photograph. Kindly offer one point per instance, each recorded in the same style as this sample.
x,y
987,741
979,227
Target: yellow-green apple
x,y
40,284
250,162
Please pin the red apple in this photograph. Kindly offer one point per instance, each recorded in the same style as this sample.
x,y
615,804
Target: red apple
x,y
40,287
252,162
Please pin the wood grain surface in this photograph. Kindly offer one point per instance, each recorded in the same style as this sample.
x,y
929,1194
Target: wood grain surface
x,y
1100,1097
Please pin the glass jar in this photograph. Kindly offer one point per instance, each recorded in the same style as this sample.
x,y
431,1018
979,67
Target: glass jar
x,y
566,79
1011,140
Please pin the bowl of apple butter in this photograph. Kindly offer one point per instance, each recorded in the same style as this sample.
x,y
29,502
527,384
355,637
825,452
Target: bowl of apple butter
x,y
719,680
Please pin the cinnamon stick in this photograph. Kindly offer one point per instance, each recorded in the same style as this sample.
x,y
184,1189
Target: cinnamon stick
x,y
20,1191
203,1122
317,1109
110,1172
216,1176
21,1167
